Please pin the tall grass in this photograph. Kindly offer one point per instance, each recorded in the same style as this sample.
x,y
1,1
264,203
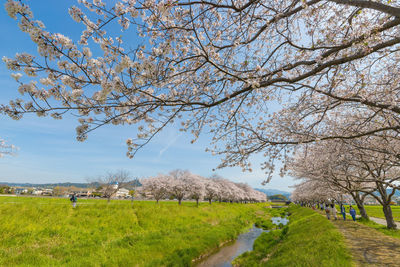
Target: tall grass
x,y
49,232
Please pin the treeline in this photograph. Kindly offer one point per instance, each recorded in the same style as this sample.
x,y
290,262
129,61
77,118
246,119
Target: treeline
x,y
182,185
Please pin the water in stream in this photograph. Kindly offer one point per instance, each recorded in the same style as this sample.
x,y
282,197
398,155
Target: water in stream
x,y
279,220
226,254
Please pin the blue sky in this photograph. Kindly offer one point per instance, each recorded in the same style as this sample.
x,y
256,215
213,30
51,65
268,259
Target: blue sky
x,y
49,152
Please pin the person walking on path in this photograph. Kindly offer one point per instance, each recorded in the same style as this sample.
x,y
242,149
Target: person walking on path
x,y
73,200
343,211
327,211
334,211
352,213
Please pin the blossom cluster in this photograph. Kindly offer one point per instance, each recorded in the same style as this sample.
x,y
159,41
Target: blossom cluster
x,y
261,76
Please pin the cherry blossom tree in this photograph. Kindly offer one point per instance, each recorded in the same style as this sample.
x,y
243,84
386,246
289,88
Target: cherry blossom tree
x,y
384,171
112,182
155,187
229,191
212,189
257,196
359,167
310,192
329,163
196,186
178,185
214,65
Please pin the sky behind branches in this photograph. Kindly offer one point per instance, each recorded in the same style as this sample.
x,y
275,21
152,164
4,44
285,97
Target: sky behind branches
x,y
49,152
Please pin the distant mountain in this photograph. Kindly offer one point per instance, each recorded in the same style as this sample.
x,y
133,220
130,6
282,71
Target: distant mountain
x,y
270,192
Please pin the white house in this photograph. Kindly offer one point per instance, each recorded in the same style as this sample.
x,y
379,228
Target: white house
x,y
37,192
122,192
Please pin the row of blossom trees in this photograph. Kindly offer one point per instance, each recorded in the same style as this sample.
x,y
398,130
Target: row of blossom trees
x,y
185,185
356,168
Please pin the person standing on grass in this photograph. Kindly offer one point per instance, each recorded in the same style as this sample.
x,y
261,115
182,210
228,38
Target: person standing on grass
x,y
327,211
343,211
334,211
352,213
73,200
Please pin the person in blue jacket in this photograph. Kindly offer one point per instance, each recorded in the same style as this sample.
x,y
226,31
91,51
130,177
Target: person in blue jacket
x,y
343,211
352,213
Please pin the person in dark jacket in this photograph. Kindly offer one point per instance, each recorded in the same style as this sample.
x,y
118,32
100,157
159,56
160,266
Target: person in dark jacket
x,y
343,211
73,199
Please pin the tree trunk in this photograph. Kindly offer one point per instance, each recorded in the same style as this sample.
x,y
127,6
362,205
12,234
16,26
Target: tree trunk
x,y
363,212
387,210
108,199
197,201
360,206
157,200
209,201
180,201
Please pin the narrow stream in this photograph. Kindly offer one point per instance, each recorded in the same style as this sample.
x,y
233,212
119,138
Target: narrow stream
x,y
279,220
225,255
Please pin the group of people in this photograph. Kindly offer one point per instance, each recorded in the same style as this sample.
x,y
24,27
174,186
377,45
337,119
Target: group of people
x,y
330,211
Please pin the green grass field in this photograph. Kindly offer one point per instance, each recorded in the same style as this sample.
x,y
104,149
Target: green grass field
x,y
376,211
49,232
308,240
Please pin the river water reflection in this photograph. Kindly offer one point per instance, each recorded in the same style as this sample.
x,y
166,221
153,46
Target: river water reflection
x,y
226,254
279,220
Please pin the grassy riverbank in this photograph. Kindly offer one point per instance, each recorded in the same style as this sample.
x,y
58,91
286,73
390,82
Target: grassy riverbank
x,y
308,240
49,232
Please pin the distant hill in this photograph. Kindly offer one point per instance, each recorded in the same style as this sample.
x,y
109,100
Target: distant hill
x,y
270,192
278,197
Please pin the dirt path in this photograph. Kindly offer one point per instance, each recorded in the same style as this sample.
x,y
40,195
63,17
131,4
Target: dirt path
x,y
368,246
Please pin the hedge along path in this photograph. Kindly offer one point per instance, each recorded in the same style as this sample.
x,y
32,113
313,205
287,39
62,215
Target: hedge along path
x,y
368,246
